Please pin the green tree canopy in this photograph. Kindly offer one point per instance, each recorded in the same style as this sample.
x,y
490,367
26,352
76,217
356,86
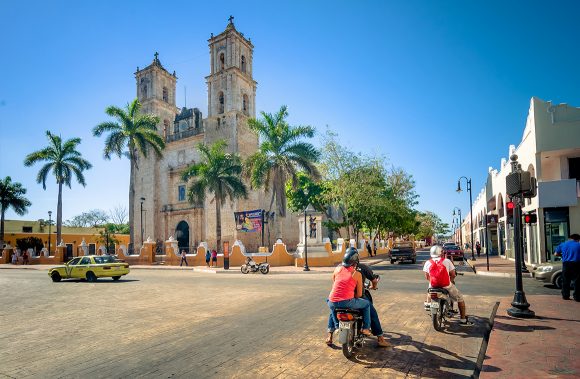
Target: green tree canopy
x,y
219,173
132,134
11,196
64,161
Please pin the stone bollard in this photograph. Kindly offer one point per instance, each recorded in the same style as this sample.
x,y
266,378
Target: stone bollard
x,y
59,255
148,251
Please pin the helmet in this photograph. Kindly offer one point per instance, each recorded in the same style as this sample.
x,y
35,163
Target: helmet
x,y
350,257
435,251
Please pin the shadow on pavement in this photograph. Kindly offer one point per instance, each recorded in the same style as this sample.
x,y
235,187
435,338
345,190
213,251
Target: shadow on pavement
x,y
517,328
414,358
100,280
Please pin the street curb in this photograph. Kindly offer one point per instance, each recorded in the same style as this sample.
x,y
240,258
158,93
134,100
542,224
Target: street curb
x,y
503,274
471,265
484,343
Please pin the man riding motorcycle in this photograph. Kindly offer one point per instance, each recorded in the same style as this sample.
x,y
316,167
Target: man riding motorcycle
x,y
454,293
351,263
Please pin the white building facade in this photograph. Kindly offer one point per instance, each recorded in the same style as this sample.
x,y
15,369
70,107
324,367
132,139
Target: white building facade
x,y
550,150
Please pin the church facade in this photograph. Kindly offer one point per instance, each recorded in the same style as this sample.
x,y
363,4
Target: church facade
x,y
161,208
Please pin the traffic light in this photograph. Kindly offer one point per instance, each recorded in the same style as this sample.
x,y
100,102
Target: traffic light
x,y
531,218
510,212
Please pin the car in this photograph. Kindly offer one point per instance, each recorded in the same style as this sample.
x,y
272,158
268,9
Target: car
x,y
453,252
550,272
449,244
403,251
90,267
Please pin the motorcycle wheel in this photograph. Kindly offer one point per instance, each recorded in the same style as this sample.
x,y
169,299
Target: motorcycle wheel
x,y
244,269
348,347
438,319
264,269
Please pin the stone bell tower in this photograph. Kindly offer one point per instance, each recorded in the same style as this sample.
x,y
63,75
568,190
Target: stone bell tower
x,y
231,91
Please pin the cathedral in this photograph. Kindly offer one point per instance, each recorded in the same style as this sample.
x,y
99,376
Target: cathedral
x,y
161,208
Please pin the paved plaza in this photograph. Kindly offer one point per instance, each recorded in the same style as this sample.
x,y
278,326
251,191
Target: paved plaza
x,y
180,323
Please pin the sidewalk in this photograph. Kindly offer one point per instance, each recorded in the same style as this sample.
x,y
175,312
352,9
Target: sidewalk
x,y
497,267
210,270
543,347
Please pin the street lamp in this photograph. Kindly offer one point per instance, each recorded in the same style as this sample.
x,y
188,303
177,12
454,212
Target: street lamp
x,y
468,181
49,225
309,208
142,231
459,225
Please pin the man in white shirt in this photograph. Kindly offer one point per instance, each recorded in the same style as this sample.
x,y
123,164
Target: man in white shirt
x,y
454,293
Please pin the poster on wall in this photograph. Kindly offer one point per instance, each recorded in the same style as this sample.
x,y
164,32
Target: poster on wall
x,y
249,221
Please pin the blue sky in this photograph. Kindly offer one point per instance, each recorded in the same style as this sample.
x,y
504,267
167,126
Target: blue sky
x,y
441,88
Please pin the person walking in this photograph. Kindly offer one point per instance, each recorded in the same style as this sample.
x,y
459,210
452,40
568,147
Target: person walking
x,y
369,250
478,248
214,257
207,257
15,257
25,258
183,258
570,253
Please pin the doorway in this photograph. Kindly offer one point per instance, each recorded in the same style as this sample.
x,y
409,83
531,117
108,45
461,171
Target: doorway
x,y
557,227
182,236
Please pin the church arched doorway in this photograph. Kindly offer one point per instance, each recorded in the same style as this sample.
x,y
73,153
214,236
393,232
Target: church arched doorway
x,y
182,235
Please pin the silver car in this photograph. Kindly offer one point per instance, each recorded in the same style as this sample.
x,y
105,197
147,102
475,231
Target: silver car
x,y
550,272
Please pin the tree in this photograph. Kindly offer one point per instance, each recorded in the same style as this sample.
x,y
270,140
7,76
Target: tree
x,y
281,155
135,132
118,215
29,242
219,173
11,196
107,236
93,218
64,161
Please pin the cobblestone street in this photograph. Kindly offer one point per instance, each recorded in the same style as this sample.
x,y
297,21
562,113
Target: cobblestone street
x,y
177,323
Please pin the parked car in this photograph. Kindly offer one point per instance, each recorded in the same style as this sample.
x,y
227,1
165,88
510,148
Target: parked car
x,y
449,244
90,267
403,251
453,252
550,273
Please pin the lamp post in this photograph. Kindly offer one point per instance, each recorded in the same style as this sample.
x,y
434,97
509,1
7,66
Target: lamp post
x,y
49,225
520,306
309,208
468,181
459,225
142,231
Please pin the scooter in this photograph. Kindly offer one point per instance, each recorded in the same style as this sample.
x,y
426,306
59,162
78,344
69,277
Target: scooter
x,y
251,266
441,307
350,325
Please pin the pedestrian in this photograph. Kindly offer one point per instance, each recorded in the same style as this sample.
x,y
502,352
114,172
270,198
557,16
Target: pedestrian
x,y
15,257
25,258
478,248
207,257
369,250
570,253
375,246
183,258
214,257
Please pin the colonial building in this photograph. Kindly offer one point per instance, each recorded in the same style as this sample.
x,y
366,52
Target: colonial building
x,y
160,194
550,150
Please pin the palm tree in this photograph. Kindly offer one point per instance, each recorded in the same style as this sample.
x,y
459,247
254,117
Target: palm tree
x,y
219,173
11,196
281,155
63,160
133,131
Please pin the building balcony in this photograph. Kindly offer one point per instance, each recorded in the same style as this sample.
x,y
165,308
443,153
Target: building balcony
x,y
184,134
558,193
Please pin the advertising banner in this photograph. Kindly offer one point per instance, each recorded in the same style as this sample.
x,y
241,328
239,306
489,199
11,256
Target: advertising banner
x,y
249,221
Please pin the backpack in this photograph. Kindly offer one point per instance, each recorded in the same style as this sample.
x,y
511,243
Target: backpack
x,y
438,275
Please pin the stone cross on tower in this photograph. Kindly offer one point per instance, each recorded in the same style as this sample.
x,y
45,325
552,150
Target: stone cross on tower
x,y
231,19
156,56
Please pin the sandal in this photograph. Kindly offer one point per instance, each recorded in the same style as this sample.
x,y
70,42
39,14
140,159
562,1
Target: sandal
x,y
329,339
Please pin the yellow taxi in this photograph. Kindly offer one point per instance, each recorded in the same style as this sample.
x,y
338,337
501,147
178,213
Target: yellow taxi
x,y
90,267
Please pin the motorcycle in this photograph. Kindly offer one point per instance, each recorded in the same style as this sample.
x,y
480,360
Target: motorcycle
x,y
350,325
251,266
441,307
